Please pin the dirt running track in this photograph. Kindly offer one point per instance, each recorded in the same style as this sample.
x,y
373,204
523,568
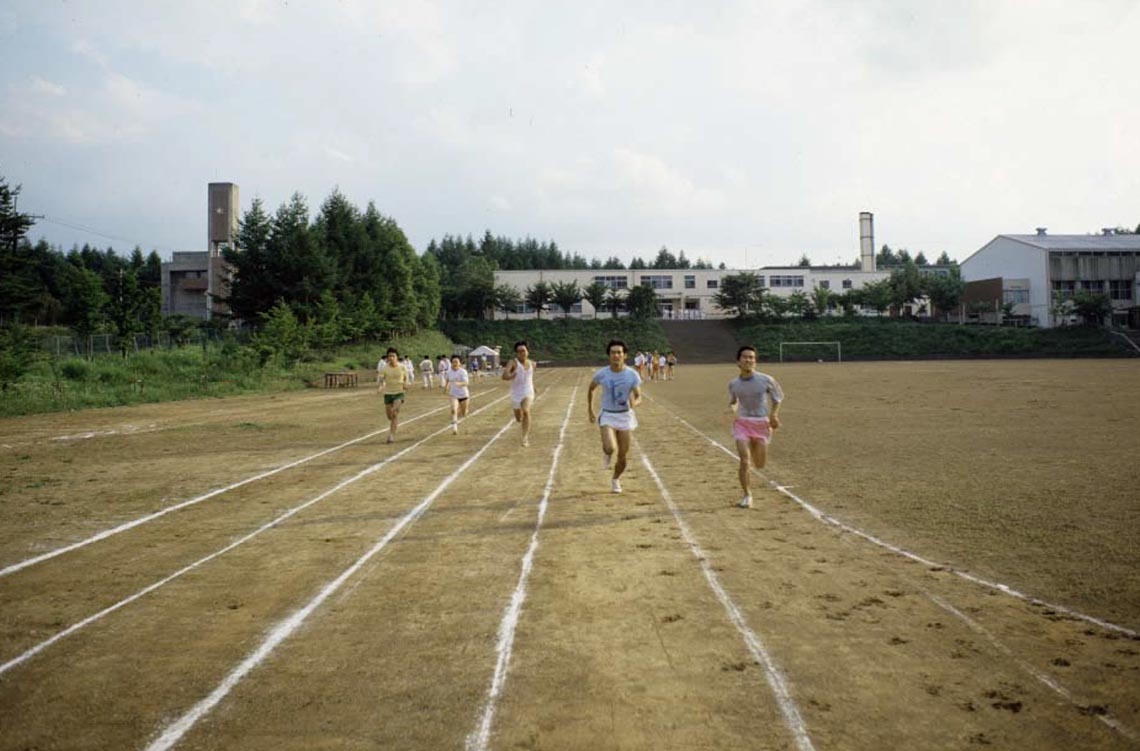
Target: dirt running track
x,y
312,587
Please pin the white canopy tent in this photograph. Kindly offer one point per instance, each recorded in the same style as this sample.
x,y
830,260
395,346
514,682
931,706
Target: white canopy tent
x,y
488,358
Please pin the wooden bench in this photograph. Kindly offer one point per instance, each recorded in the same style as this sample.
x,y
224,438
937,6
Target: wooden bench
x,y
341,380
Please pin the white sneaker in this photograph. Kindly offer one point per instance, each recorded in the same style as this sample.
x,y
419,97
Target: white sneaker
x,y
391,438
745,502
615,486
606,459
526,442
455,428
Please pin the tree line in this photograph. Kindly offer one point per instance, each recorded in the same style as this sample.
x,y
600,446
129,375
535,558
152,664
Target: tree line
x,y
467,280
343,275
86,289
742,295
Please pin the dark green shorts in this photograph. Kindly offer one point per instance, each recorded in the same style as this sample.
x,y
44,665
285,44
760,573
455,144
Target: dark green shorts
x,y
393,398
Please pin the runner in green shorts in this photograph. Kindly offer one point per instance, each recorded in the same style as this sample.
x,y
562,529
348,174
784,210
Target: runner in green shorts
x,y
394,377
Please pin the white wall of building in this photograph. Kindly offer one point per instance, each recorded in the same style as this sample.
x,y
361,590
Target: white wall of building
x,y
691,292
1019,265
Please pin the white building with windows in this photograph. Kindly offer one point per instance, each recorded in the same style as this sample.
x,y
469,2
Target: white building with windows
x,y
691,293
1030,269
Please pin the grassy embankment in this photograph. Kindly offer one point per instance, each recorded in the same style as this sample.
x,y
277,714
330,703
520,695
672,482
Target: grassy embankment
x,y
564,340
60,384
905,340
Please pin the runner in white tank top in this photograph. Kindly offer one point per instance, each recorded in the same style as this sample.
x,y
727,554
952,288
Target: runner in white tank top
x,y
520,372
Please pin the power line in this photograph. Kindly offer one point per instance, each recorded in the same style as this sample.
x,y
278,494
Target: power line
x,y
90,230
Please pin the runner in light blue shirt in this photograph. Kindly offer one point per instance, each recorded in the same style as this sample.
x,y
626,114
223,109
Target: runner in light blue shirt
x,y
621,392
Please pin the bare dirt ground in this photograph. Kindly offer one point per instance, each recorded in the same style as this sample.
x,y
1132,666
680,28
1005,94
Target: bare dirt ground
x,y
268,573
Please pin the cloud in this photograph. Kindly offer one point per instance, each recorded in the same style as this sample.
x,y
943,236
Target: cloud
x,y
337,154
39,85
116,108
658,187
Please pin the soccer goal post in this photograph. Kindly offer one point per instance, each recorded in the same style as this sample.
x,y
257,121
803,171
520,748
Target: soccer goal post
x,y
801,351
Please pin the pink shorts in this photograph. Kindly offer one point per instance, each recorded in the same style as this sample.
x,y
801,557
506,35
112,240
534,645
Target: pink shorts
x,y
752,429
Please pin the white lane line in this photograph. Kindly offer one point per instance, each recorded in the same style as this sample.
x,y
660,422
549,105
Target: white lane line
x,y
478,739
13,568
776,680
174,732
1005,588
268,525
1061,691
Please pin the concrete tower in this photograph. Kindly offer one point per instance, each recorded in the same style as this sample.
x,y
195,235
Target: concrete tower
x,y
222,223
866,241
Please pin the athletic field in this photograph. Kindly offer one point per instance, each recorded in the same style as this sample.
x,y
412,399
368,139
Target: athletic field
x,y
941,556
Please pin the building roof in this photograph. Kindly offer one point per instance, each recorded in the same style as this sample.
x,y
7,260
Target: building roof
x,y
1079,242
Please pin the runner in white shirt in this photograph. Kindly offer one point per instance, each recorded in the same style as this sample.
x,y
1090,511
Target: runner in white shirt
x,y
442,367
455,381
520,372
427,369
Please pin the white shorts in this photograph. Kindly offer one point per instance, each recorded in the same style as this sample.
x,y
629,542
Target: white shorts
x,y
618,420
516,401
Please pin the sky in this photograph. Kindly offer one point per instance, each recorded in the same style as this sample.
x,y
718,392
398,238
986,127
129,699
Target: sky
x,y
749,133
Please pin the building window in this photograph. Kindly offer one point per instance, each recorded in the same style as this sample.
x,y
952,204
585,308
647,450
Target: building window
x,y
614,282
690,282
1094,286
712,284
784,280
825,284
1119,289
657,281
846,284
760,279
1015,296
576,308
1065,289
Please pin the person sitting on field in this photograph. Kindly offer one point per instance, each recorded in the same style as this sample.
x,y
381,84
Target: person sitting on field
x,y
749,395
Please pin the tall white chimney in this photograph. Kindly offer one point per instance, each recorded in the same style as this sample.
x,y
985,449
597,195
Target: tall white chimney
x,y
867,241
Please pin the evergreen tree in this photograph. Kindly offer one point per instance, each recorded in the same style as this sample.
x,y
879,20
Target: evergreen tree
x,y
664,259
425,286
398,264
14,225
253,286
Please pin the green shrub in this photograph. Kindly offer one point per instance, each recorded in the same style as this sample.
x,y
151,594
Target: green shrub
x,y
74,370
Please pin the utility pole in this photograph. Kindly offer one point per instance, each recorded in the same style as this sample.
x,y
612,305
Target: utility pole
x,y
16,219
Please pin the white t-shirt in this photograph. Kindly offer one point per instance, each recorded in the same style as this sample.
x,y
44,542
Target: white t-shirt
x,y
457,383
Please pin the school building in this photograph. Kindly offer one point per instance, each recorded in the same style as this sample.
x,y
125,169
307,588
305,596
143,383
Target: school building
x,y
1030,271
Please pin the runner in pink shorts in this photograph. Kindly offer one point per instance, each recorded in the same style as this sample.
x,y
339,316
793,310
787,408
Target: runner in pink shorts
x,y
749,395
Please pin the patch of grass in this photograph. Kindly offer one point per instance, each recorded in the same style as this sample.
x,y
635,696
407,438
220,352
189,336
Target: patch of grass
x,y
560,339
886,339
188,373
